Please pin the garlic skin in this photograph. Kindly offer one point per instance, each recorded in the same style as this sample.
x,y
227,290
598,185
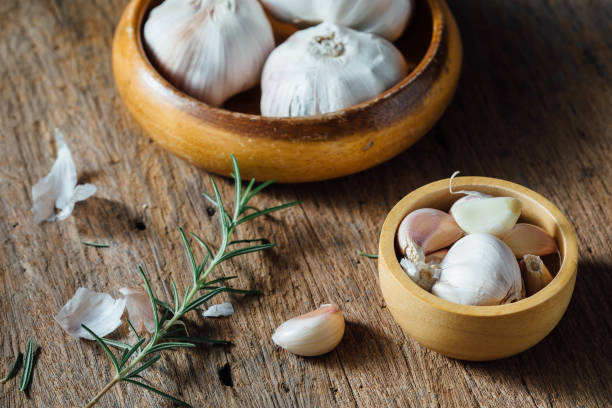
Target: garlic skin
x,y
428,228
535,274
489,215
528,239
312,334
328,68
210,49
480,270
387,18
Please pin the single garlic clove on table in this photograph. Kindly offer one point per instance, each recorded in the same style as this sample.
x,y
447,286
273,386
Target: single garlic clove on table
x,y
328,68
491,215
527,239
481,270
535,274
428,228
210,49
387,18
312,334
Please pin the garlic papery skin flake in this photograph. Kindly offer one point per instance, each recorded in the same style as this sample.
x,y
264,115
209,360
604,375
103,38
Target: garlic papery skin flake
x,y
535,274
328,68
387,18
428,228
139,308
528,239
312,334
494,215
210,49
479,270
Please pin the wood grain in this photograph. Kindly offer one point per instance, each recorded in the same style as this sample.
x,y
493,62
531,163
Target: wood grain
x,y
533,107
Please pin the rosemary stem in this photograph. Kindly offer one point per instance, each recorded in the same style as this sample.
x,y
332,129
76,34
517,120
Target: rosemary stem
x,y
103,391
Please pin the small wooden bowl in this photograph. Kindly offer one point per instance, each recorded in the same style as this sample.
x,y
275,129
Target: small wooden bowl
x,y
293,149
477,332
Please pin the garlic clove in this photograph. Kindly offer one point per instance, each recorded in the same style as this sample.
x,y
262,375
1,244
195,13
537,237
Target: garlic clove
x,y
428,228
495,215
328,68
387,18
535,274
480,270
210,49
524,239
312,334
436,257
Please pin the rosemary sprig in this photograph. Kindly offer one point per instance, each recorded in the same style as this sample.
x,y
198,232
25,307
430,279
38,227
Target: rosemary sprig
x,y
14,369
137,358
28,366
94,244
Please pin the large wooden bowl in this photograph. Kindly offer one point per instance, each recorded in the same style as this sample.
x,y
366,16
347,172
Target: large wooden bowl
x,y
477,332
293,149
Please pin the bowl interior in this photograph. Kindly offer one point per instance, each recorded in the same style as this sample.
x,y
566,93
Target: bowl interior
x,y
535,210
416,43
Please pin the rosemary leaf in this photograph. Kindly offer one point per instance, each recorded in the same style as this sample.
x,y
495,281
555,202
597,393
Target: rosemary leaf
x,y
170,345
155,390
219,280
266,211
116,343
14,368
192,261
175,295
247,250
133,329
28,366
144,366
198,340
101,342
152,298
371,256
249,241
256,191
94,244
128,353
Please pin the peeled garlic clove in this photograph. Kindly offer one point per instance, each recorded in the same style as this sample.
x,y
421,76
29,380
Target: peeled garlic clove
x,y
210,49
524,239
387,18
495,215
535,274
328,68
481,270
436,257
428,228
312,334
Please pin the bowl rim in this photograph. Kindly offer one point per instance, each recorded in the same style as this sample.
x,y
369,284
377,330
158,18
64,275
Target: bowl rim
x,y
567,269
438,24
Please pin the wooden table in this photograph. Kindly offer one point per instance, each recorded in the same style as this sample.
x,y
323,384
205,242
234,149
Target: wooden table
x,y
533,107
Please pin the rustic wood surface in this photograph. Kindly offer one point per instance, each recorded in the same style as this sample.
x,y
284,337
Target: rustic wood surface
x,y
533,107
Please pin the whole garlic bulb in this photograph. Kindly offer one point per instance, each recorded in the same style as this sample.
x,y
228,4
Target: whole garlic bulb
x,y
479,269
387,18
328,68
210,49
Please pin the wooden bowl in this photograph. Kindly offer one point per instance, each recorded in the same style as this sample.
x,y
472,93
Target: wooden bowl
x,y
477,332
293,149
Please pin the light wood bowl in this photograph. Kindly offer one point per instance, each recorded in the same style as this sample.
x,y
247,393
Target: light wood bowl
x,y
477,332
293,149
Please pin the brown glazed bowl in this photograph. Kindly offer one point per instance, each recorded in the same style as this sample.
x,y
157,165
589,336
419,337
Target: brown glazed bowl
x,y
477,332
293,149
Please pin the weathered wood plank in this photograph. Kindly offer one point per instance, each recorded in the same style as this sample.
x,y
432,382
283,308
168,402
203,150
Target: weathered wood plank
x,y
532,107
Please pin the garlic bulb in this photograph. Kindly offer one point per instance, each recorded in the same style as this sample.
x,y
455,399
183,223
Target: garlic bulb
x,y
211,49
387,18
428,228
479,269
489,215
328,68
312,334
